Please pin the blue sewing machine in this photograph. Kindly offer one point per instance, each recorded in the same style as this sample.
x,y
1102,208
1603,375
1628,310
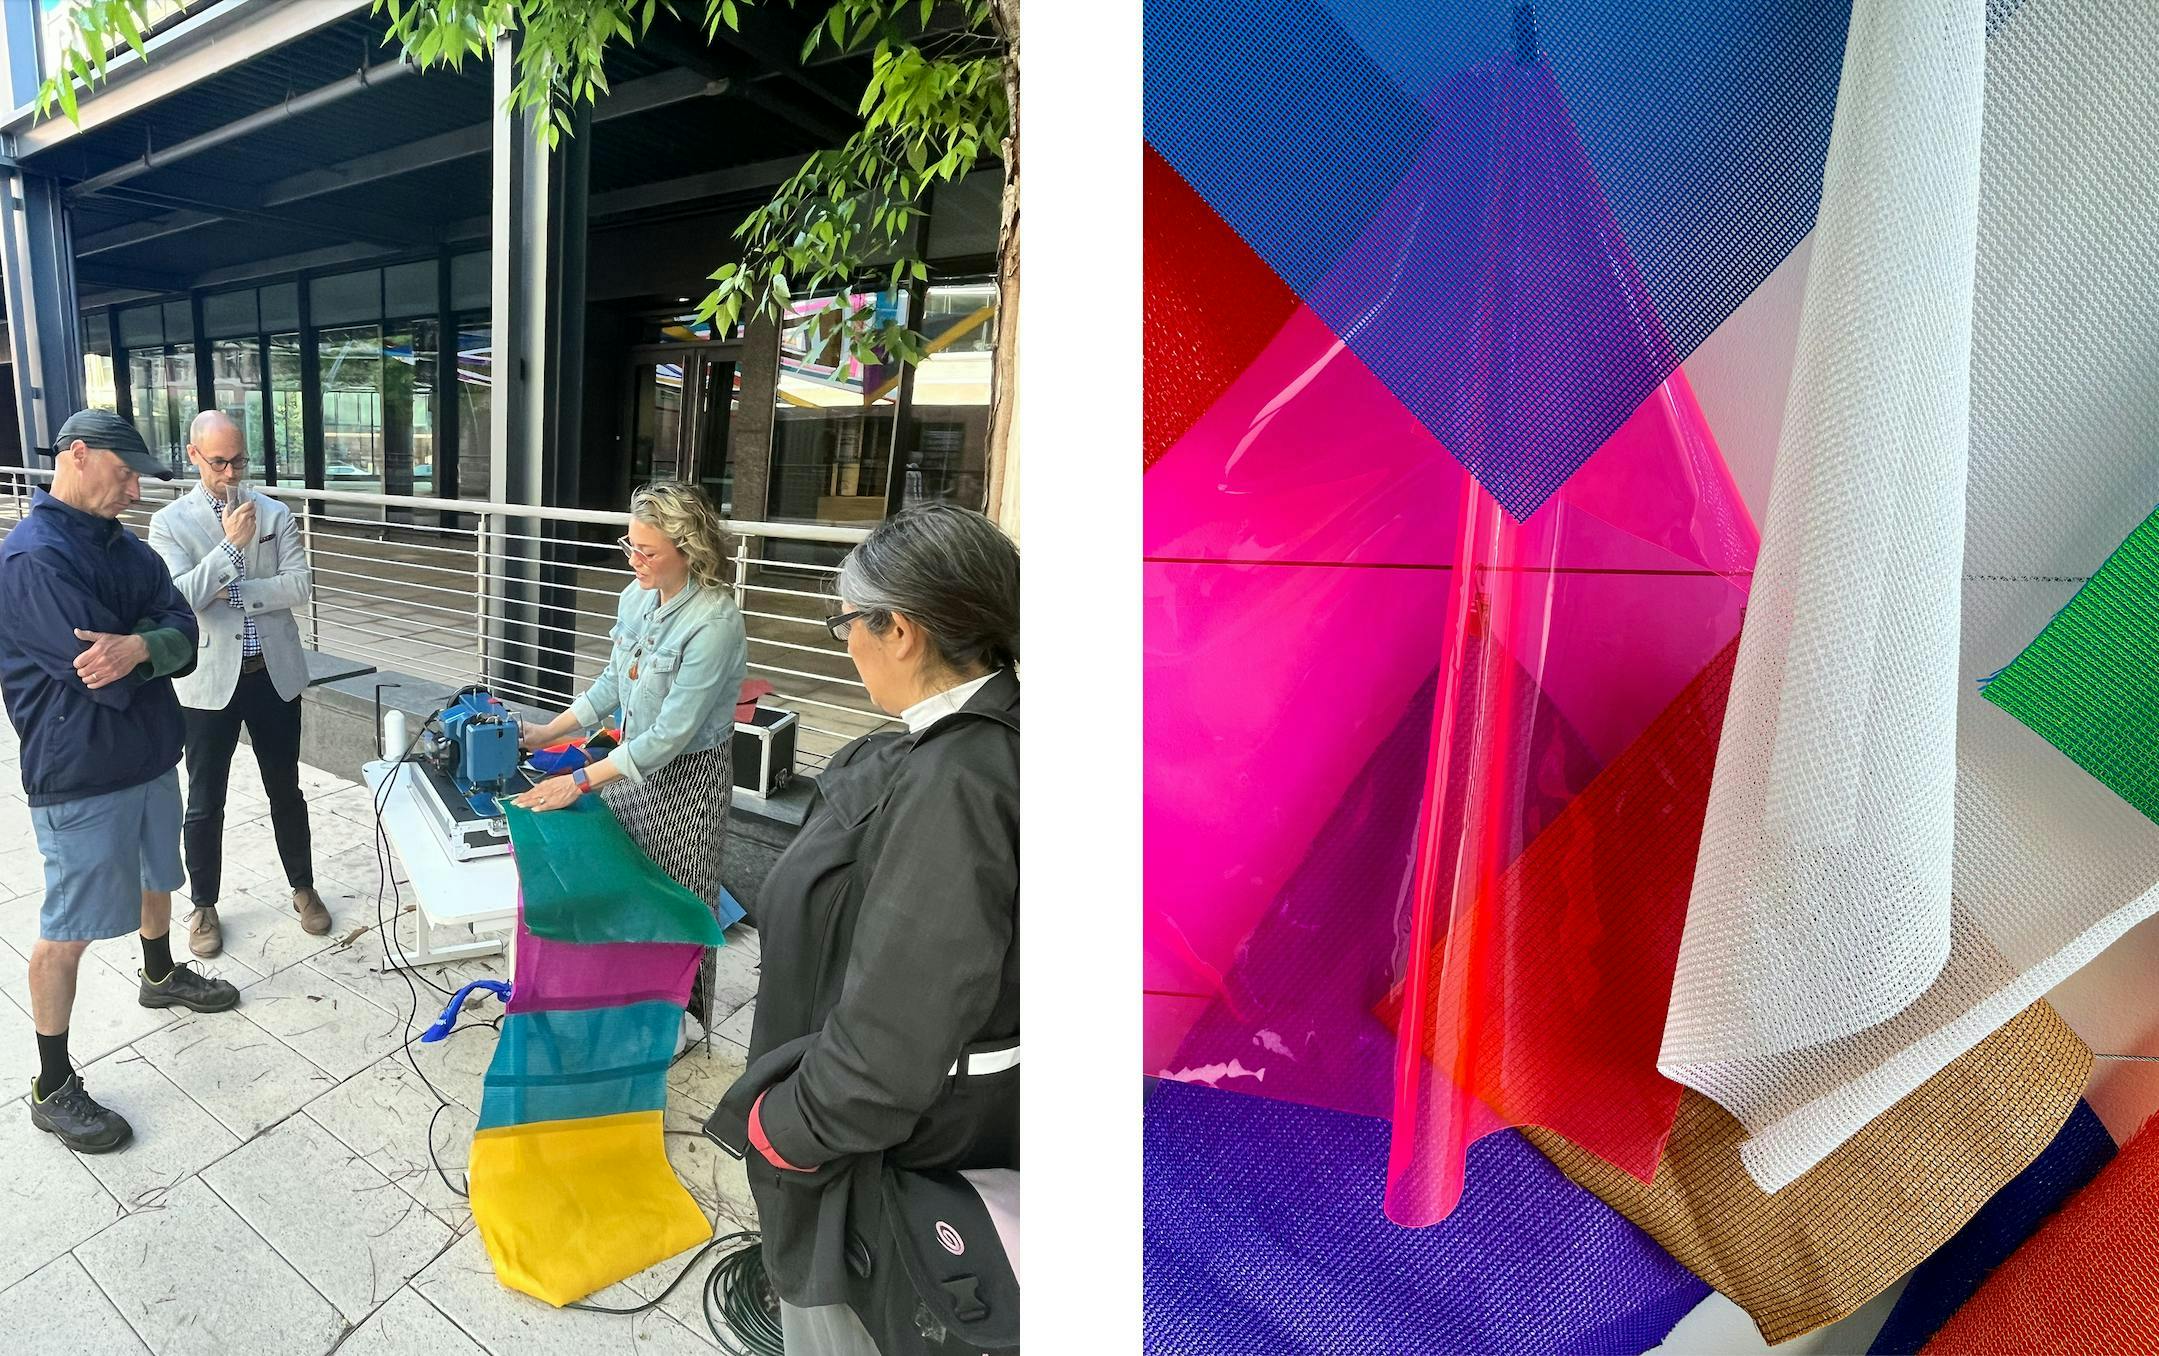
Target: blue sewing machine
x,y
469,764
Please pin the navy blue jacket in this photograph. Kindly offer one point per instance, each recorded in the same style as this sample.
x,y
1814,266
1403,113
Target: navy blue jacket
x,y
61,569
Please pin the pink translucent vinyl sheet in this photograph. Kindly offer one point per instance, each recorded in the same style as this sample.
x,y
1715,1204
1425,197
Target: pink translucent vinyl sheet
x,y
551,976
1316,562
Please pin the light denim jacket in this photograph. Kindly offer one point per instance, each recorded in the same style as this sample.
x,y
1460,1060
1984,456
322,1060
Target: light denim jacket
x,y
691,657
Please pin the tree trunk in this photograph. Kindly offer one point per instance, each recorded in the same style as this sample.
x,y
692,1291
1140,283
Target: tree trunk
x,y
1003,488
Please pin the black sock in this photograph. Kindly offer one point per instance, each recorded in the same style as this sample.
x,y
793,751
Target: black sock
x,y
157,957
53,1068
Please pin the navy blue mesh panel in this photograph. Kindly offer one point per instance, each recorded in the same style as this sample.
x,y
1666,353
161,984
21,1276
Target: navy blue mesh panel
x,y
1321,137
1264,1233
1570,227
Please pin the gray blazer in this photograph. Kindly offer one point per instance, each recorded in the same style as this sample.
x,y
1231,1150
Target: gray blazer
x,y
188,535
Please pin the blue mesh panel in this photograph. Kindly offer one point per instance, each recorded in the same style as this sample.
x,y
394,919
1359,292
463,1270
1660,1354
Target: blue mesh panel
x,y
1277,73
563,1065
1264,1233
1568,229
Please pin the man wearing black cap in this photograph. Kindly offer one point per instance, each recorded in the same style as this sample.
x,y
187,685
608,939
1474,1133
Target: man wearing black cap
x,y
95,631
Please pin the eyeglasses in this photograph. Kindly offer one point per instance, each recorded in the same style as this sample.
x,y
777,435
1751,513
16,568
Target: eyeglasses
x,y
631,550
225,463
839,625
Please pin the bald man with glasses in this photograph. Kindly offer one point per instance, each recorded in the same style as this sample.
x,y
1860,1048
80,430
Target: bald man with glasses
x,y
236,558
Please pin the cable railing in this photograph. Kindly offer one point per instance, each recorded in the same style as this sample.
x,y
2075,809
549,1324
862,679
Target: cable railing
x,y
520,597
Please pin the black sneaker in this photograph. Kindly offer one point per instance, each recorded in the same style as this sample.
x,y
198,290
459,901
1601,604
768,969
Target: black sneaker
x,y
183,988
75,1116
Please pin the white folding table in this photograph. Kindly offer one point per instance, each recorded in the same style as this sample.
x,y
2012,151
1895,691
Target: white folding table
x,y
472,895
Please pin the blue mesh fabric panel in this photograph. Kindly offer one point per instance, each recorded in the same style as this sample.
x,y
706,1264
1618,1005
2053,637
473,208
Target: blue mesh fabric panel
x,y
1276,72
1264,1233
564,1065
1568,230
1939,1286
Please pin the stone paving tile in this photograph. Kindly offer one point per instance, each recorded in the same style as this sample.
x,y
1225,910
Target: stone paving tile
x,y
700,1077
47,1197
174,1137
18,1057
737,1027
237,1071
384,1114
192,1277
340,1032
22,868
734,983
405,1326
18,921
342,1225
263,932
61,1312
714,1177
461,1283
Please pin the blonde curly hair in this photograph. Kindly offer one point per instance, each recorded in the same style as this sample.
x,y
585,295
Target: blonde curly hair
x,y
682,512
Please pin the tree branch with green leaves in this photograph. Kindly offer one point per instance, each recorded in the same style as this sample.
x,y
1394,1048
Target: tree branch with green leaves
x,y
936,108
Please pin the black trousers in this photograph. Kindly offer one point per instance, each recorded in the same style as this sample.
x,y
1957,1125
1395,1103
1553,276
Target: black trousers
x,y
273,727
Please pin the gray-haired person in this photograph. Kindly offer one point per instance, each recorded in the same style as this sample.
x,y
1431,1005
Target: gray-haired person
x,y
887,1021
237,559
94,635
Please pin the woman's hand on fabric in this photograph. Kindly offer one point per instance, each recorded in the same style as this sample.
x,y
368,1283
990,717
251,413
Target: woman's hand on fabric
x,y
556,793
532,735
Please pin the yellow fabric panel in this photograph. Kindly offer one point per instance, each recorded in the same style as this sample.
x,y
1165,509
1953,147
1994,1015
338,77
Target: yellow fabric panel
x,y
569,1207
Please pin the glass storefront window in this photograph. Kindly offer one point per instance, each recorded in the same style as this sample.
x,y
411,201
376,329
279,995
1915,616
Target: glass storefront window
x,y
350,360
947,441
833,418
408,407
97,375
236,379
286,416
475,386
161,390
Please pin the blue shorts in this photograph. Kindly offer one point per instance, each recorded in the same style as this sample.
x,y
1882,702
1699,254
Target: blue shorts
x,y
101,853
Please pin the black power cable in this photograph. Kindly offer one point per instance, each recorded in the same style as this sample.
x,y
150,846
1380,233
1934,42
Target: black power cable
x,y
738,1300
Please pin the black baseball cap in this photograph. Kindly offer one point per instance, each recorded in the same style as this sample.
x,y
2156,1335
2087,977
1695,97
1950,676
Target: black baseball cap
x,y
103,428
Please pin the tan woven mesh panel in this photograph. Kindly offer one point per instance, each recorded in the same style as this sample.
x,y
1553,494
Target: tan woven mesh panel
x,y
1847,1229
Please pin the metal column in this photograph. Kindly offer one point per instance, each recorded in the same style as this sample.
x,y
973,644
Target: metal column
x,y
37,262
538,287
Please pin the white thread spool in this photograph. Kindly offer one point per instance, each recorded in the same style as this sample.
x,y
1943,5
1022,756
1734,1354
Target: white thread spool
x,y
393,733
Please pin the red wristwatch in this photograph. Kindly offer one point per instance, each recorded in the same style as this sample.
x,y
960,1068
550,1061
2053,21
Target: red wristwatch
x,y
581,779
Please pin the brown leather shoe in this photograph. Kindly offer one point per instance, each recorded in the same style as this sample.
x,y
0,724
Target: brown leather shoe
x,y
205,935
314,917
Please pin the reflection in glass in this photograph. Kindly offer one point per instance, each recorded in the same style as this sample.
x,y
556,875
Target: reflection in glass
x,y
236,378
833,416
161,390
97,375
947,441
474,388
656,422
719,398
408,408
350,360
290,464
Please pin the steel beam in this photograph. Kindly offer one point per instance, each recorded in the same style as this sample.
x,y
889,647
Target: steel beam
x,y
322,96
340,223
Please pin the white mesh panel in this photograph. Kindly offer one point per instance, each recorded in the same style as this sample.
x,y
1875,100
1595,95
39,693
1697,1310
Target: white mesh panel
x,y
1857,923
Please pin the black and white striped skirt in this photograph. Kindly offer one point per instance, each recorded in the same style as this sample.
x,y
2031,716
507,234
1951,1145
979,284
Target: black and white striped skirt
x,y
678,818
